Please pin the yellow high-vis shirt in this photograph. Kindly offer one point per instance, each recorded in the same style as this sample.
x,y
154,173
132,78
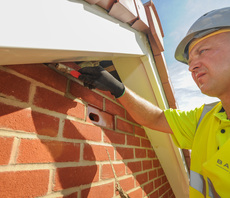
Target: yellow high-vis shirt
x,y
209,141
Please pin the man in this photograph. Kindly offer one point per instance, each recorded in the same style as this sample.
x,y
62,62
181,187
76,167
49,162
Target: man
x,y
205,130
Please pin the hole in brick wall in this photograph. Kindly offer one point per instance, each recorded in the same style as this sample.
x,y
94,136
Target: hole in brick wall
x,y
100,118
94,117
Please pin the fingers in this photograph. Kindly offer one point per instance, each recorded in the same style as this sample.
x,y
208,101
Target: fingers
x,y
89,75
88,80
90,86
95,77
96,71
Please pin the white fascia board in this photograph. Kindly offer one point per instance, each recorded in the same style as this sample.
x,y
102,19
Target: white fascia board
x,y
56,26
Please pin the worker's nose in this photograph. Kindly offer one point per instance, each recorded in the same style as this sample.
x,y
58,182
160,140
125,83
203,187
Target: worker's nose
x,y
193,65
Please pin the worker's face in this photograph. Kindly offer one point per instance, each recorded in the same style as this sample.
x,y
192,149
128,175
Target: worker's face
x,y
209,63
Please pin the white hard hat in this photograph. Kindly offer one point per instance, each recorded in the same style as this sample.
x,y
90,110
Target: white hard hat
x,y
208,23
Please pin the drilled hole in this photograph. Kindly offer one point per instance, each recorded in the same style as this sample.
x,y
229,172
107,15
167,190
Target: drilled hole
x,y
94,117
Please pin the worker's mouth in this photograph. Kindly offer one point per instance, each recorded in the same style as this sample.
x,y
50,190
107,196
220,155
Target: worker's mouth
x,y
200,75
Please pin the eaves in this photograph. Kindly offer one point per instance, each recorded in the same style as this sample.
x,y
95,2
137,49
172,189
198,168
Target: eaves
x,y
143,18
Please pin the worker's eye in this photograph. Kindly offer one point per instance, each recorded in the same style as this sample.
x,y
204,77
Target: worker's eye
x,y
202,51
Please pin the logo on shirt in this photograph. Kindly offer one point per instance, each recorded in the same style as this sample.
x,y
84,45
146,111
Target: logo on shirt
x,y
223,165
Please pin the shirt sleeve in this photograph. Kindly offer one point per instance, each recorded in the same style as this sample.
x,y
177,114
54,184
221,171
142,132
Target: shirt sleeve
x,y
183,125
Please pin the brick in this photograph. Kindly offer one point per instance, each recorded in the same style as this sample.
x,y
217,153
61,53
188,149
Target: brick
x,y
148,188
160,172
151,154
58,103
147,164
167,186
152,174
5,149
164,179
154,195
45,124
133,141
44,151
97,153
142,178
15,118
107,173
157,182
86,94
136,194
102,191
43,74
107,93
164,189
113,137
134,167
114,109
14,87
156,163
139,131
32,183
80,131
129,117
124,126
127,184
99,117
124,153
171,193
166,195
140,153
146,143
75,176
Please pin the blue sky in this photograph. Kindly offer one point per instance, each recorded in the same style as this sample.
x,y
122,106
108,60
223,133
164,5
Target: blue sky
x,y
176,17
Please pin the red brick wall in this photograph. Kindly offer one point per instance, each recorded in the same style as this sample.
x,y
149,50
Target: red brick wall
x,y
50,146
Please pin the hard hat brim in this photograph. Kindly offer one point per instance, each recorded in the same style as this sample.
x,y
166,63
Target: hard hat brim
x,y
180,54
208,23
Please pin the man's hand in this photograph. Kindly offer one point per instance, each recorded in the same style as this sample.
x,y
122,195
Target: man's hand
x,y
97,77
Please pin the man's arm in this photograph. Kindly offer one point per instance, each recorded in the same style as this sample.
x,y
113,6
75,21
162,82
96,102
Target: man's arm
x,y
142,111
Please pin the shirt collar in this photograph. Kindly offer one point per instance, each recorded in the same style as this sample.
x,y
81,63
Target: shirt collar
x,y
221,114
222,110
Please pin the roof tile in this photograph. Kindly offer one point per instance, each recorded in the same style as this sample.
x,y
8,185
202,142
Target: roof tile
x,y
124,10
